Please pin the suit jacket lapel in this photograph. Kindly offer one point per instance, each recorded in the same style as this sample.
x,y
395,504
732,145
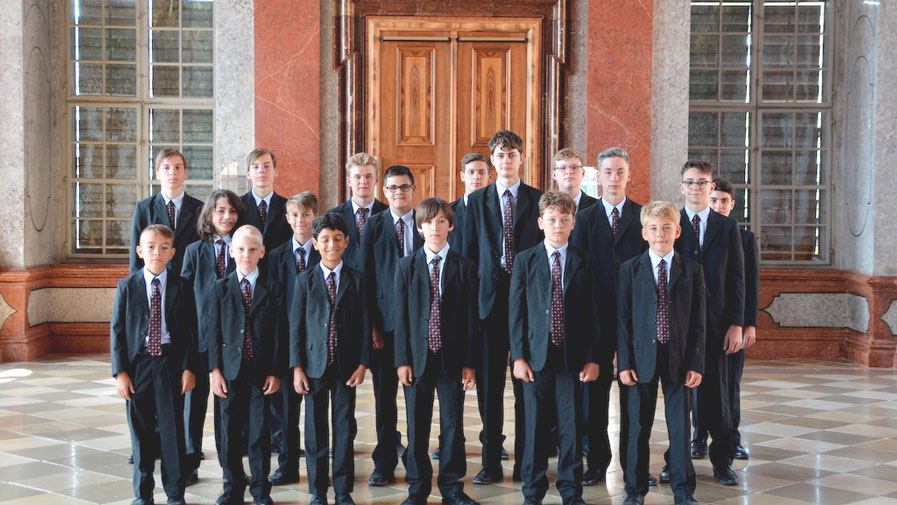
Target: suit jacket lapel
x,y
171,292
275,209
647,276
676,271
626,218
603,223
571,267
349,216
186,215
160,210
713,225
258,295
523,203
494,203
688,234
421,276
341,287
139,287
449,271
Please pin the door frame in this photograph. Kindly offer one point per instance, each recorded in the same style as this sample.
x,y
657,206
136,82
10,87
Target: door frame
x,y
351,52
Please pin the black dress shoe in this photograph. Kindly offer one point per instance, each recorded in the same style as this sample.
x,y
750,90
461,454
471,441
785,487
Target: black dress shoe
x,y
318,499
741,452
577,500
380,479
192,478
592,477
176,501
725,476
532,500
688,500
699,448
266,500
230,499
344,499
634,499
301,453
665,476
281,477
459,498
414,499
652,480
143,501
487,478
504,455
436,453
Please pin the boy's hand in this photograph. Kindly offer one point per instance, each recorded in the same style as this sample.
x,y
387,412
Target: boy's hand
x,y
628,377
589,372
522,370
692,379
357,377
468,378
188,381
300,381
378,339
123,385
405,375
732,343
272,384
750,336
219,385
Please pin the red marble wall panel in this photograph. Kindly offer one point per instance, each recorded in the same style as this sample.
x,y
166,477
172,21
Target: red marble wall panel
x,y
618,94
287,90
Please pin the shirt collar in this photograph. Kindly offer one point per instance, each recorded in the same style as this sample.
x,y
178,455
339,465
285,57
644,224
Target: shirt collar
x,y
149,276
355,206
501,189
655,258
406,217
609,209
430,254
577,198
337,270
178,200
252,277
227,238
705,213
550,250
296,244
258,199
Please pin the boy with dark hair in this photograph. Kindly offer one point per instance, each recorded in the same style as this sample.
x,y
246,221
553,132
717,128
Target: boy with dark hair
x,y
435,335
329,360
503,221
660,339
152,335
388,237
554,334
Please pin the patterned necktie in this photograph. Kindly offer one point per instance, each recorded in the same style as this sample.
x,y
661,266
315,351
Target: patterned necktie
x,y
154,346
663,304
331,325
362,220
247,304
400,236
171,213
263,213
300,263
615,220
696,227
557,301
434,333
507,230
220,264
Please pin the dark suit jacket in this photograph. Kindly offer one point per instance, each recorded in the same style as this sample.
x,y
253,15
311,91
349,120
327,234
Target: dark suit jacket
x,y
593,234
379,256
585,201
282,267
637,326
350,256
456,237
129,323
152,211
723,261
310,318
530,309
267,323
751,277
458,316
483,234
199,272
277,229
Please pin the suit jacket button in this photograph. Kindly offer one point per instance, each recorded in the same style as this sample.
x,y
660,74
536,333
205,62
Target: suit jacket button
x,y
546,312
241,331
653,341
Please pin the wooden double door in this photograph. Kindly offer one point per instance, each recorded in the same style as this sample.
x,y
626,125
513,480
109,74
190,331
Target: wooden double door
x,y
439,88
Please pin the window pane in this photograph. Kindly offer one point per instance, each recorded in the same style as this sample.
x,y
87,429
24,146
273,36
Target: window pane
x,y
121,161
778,86
120,199
118,234
809,51
88,123
198,81
704,18
775,130
809,87
87,237
775,243
734,165
735,85
165,126
703,154
88,78
88,161
121,80
775,206
121,12
199,159
741,213
704,50
87,12
121,124
197,46
197,14
165,46
121,44
734,129
809,167
198,126
810,19
164,13
87,43
736,50
778,19
807,132
809,206
809,243
87,200
702,129
702,85
736,18
775,167
165,81
778,51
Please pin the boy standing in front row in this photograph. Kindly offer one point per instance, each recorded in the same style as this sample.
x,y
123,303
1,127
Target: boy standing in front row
x,y
656,344
553,323
152,331
247,328
435,335
330,336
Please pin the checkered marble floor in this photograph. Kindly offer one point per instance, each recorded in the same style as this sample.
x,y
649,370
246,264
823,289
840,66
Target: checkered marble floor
x,y
821,432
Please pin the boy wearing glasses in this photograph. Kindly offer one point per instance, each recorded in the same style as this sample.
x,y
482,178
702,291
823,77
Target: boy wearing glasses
x,y
388,237
568,173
